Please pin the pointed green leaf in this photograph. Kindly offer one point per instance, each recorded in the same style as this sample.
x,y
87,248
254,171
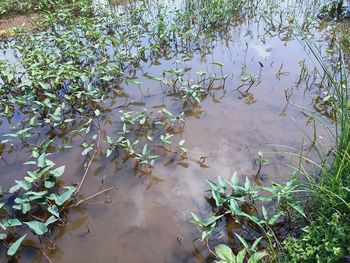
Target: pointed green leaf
x,y
245,244
42,161
15,246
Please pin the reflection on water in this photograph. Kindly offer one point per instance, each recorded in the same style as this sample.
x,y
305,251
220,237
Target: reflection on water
x,y
149,217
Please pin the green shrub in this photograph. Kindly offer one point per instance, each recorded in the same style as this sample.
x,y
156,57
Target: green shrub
x,y
325,240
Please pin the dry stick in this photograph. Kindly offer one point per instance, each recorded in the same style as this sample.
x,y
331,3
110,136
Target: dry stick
x,y
41,251
90,162
92,196
46,256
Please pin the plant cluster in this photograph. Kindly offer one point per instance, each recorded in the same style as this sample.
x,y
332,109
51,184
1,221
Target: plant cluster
x,y
9,7
244,203
63,79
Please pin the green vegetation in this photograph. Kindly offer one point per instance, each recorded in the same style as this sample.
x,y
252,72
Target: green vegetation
x,y
326,238
15,7
239,203
64,79
73,67
326,195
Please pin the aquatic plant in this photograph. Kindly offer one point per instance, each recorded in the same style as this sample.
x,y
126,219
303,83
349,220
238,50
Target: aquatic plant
x,y
68,74
325,238
240,202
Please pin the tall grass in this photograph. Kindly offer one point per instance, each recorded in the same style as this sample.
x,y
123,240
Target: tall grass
x,y
327,237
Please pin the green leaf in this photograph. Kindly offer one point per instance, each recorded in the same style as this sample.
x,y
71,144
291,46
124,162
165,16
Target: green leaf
x,y
241,256
12,222
50,220
134,81
15,246
222,182
234,207
211,220
24,184
298,208
257,256
195,217
247,184
87,150
217,64
38,228
225,253
244,243
109,152
66,195
212,184
217,198
265,213
255,244
54,210
25,207
42,161
50,182
3,236
33,175
58,171
275,218
145,150
234,179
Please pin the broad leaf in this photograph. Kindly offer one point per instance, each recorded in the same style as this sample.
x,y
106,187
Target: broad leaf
x,y
225,253
38,228
58,171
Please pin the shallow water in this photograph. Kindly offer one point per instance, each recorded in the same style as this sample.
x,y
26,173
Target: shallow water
x,y
149,217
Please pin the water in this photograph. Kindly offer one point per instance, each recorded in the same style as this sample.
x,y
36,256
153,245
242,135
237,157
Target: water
x,y
148,218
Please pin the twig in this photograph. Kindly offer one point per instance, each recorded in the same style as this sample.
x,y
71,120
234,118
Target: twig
x,y
91,196
41,251
90,162
46,256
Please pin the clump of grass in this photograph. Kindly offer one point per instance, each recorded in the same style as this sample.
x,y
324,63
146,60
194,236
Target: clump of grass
x,y
326,238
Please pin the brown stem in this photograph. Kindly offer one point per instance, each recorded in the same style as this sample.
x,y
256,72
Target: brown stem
x,y
92,196
90,162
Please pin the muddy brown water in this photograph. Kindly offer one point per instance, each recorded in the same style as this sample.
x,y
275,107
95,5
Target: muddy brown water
x,y
149,217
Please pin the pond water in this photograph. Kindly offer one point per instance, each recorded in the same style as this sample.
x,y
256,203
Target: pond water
x,y
149,217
